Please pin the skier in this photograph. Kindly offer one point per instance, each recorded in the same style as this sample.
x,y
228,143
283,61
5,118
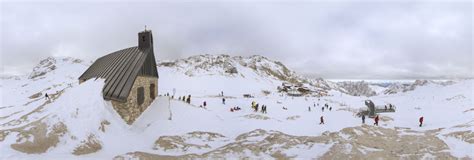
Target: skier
x,y
421,121
265,109
223,100
363,119
322,108
46,97
314,104
256,107
204,103
222,93
376,120
322,120
309,109
330,108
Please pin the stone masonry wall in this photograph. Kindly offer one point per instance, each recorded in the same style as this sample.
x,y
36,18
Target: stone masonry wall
x,y
130,110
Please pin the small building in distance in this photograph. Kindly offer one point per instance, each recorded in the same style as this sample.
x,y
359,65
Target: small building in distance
x,y
131,77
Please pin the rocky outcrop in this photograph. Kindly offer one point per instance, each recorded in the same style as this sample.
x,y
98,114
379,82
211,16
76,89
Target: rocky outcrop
x,y
399,87
359,88
43,67
364,142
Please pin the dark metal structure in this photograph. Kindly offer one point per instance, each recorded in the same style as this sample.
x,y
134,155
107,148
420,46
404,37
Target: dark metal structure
x,y
121,68
371,107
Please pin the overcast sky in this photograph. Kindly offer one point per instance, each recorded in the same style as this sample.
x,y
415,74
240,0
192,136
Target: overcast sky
x,y
335,40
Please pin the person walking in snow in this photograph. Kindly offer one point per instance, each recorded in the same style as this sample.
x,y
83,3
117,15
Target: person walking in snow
x,y
222,93
309,109
46,96
330,108
322,108
376,120
363,119
204,103
421,121
265,109
322,120
223,100
256,107
189,99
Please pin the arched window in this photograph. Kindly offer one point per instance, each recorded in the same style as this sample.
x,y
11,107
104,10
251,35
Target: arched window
x,y
140,95
152,91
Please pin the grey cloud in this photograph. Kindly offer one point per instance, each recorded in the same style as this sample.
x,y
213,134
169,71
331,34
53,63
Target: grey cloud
x,y
363,40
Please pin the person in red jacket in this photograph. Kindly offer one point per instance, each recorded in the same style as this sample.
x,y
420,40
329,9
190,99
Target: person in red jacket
x,y
322,120
376,120
421,121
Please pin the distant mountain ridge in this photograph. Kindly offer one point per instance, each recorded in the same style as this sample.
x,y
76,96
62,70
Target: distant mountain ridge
x,y
234,66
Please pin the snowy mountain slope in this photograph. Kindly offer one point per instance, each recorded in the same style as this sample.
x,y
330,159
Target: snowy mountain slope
x,y
221,71
78,124
368,89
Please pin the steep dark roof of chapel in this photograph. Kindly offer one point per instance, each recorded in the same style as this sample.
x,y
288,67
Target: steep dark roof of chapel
x,y
120,69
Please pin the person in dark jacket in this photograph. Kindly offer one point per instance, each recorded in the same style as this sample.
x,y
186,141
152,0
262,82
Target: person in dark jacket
x,y
322,120
376,120
363,119
223,100
421,121
204,103
189,99
46,97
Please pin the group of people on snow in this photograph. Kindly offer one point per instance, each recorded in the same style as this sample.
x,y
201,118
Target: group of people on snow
x,y
376,120
237,108
186,99
326,106
255,107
